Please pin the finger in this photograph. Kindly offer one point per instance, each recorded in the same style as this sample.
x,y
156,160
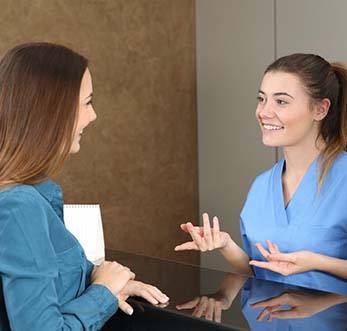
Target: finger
x,y
210,309
216,232
286,314
189,305
185,229
207,231
260,264
157,294
262,250
125,307
201,307
285,257
131,275
218,312
276,248
271,246
148,296
199,241
190,245
268,266
280,300
265,312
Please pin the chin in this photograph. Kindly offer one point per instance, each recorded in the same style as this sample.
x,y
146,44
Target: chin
x,y
269,143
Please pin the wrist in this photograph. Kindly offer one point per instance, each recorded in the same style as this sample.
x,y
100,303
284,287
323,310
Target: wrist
x,y
229,245
318,261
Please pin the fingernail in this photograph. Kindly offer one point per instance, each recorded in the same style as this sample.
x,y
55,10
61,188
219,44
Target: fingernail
x,y
130,311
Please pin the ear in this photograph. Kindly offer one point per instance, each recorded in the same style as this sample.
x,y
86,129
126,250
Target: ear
x,y
321,109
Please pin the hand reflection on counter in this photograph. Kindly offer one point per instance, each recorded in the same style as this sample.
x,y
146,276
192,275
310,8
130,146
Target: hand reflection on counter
x,y
284,305
291,307
211,306
301,305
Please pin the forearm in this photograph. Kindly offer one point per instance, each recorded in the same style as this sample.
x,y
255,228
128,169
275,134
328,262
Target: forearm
x,y
332,265
237,258
231,286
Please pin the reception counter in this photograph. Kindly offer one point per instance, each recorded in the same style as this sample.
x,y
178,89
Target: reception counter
x,y
204,299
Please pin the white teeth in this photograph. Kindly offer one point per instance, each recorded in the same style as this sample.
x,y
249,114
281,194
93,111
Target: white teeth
x,y
272,127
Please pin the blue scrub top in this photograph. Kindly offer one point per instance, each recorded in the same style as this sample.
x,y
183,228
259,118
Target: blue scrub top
x,y
44,272
314,221
255,290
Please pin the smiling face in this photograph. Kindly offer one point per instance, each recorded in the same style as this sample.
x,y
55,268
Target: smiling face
x,y
285,114
86,113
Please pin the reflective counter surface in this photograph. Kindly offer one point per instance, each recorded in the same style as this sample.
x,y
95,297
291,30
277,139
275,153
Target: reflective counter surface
x,y
206,299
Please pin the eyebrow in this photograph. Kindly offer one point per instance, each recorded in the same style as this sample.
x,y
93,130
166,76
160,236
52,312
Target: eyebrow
x,y
278,94
89,96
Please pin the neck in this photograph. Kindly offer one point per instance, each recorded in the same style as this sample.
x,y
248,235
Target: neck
x,y
299,157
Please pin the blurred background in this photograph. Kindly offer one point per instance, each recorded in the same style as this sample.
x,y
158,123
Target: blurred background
x,y
175,86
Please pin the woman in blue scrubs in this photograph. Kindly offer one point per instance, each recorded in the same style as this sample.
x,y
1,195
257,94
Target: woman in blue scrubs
x,y
46,282
294,220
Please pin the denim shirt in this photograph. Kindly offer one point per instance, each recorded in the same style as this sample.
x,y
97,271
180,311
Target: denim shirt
x,y
44,273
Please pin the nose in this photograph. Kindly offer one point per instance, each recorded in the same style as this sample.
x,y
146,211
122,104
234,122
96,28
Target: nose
x,y
266,111
92,115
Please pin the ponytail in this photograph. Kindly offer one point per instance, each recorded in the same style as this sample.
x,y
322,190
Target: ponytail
x,y
334,126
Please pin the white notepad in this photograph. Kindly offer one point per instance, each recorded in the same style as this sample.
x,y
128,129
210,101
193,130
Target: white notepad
x,y
84,222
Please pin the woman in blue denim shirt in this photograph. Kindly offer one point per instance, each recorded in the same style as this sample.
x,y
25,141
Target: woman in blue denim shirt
x,y
46,282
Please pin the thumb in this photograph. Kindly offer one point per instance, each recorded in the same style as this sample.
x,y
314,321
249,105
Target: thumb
x,y
125,307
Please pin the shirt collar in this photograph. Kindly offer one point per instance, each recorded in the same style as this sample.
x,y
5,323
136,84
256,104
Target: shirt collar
x,y
53,193
49,190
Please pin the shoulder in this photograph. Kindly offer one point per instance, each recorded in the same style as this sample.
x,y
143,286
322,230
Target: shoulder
x,y
22,204
25,231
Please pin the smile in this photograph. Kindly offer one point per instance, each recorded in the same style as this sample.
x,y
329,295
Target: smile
x,y
272,127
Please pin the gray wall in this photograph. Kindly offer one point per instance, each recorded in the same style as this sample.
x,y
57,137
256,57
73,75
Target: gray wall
x,y
236,40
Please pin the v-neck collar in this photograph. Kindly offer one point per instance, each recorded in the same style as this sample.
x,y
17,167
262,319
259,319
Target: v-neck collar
x,y
301,200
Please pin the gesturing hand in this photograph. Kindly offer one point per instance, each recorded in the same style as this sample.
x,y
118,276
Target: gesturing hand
x,y
204,238
284,263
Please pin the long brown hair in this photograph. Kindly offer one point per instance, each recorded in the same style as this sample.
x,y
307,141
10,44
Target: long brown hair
x,y
39,96
322,80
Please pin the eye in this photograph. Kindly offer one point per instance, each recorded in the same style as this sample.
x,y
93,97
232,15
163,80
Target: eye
x,y
260,99
90,102
281,102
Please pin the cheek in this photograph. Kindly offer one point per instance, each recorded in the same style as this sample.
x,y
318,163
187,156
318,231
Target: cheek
x,y
257,112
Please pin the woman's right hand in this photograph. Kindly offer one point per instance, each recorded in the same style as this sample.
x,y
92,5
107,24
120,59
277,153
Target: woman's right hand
x,y
204,238
112,275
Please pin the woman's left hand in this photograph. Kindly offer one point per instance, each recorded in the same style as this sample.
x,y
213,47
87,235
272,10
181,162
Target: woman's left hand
x,y
284,263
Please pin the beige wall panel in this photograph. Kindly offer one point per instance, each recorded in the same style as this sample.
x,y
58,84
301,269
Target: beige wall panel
x,y
139,159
